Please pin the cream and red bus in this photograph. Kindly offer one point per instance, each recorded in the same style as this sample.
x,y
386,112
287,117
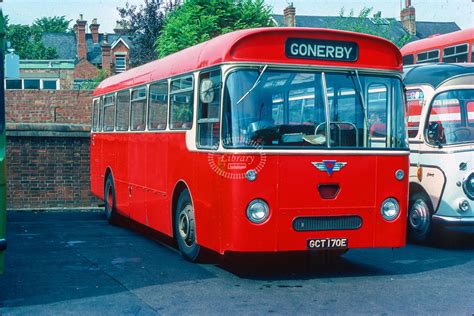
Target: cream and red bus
x,y
260,140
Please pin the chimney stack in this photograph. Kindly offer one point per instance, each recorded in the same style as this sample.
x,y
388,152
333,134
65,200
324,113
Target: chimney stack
x,y
80,29
407,17
106,54
290,15
94,27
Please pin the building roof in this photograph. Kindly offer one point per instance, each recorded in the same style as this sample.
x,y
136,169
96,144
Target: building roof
x,y
435,74
261,45
392,26
47,64
65,45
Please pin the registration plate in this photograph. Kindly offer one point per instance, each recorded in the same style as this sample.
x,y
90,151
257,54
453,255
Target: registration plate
x,y
327,243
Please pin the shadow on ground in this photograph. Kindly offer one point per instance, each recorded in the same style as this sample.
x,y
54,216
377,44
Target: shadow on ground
x,y
64,256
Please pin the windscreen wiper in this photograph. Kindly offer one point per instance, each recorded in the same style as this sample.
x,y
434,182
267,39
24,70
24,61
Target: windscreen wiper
x,y
255,84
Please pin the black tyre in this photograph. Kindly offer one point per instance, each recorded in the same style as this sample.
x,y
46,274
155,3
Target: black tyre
x,y
420,224
185,228
110,200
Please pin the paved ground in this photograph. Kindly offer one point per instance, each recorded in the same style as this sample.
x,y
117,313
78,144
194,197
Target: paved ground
x,y
75,263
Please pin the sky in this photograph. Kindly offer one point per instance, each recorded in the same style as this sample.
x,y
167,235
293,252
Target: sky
x,y
25,11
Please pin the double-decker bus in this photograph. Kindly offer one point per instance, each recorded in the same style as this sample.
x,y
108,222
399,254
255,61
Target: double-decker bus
x,y
455,47
3,203
260,140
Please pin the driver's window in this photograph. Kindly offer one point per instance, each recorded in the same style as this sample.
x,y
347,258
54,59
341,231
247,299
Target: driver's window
x,y
209,109
448,121
377,103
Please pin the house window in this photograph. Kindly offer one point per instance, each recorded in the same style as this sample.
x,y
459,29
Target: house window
x,y
14,84
49,84
32,84
120,63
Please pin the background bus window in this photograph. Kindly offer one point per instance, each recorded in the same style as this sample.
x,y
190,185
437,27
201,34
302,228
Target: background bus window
x,y
415,99
209,105
428,57
123,111
95,115
409,59
158,106
138,109
456,54
109,113
181,107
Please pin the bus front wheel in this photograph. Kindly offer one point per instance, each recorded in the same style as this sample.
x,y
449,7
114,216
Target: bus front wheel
x,y
419,218
185,228
110,199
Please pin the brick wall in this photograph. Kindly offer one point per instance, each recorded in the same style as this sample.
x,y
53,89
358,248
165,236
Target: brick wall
x,y
48,166
85,70
42,106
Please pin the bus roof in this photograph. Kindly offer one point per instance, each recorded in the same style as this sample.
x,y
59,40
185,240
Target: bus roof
x,y
444,40
435,74
262,45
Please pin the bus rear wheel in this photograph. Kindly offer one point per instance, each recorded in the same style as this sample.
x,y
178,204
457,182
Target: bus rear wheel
x,y
419,218
110,200
185,228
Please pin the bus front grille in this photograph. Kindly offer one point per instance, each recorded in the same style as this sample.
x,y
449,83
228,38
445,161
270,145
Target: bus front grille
x,y
319,223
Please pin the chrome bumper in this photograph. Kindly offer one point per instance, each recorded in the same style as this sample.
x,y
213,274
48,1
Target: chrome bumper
x,y
453,221
3,244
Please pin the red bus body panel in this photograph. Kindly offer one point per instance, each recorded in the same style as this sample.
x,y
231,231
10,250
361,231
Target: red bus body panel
x,y
147,167
439,42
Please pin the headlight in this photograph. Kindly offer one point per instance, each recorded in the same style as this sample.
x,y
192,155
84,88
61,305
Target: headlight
x,y
258,211
390,209
468,186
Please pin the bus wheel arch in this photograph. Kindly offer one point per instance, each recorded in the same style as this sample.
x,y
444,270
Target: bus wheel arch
x,y
420,212
184,227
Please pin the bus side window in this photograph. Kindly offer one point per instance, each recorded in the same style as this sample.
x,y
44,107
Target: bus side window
x,y
95,115
455,54
415,99
158,107
123,111
409,59
181,105
138,109
101,114
209,109
109,113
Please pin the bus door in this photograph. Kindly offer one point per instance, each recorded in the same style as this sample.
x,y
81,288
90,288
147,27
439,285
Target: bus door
x,y
95,150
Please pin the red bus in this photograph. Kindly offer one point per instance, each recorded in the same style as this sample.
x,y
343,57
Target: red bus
x,y
260,140
455,47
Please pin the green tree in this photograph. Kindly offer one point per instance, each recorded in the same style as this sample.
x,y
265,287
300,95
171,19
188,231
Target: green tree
x,y
27,43
27,40
144,24
196,21
360,24
55,24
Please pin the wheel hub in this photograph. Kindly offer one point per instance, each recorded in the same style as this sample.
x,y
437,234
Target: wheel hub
x,y
184,228
419,216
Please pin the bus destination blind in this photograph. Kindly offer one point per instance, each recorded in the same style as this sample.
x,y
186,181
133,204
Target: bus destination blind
x,y
321,49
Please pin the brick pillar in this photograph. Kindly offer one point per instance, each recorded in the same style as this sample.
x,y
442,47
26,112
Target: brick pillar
x,y
94,27
106,54
407,17
80,28
290,15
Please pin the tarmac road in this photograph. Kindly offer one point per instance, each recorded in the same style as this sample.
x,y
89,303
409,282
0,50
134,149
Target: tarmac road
x,y
75,263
